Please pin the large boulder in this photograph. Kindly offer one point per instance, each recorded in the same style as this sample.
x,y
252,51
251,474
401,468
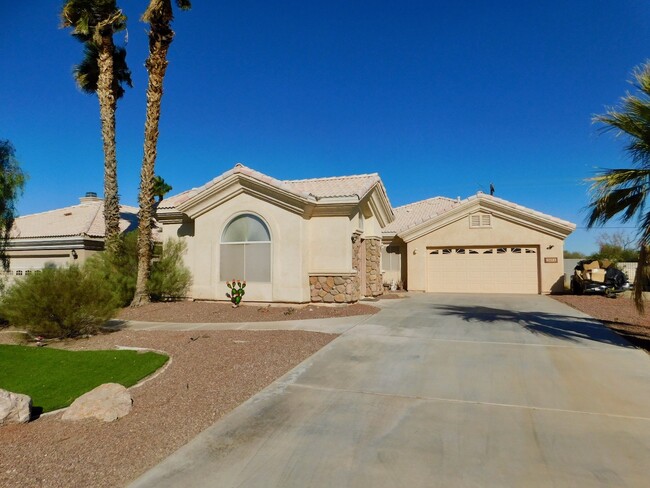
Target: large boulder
x,y
15,408
107,402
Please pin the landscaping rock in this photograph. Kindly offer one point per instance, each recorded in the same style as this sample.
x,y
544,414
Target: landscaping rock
x,y
107,402
15,408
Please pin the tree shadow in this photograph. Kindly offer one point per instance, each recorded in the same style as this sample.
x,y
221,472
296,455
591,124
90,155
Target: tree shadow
x,y
572,329
113,325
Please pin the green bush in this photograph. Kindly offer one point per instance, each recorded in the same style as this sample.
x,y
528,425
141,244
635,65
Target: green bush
x,y
118,268
169,277
59,302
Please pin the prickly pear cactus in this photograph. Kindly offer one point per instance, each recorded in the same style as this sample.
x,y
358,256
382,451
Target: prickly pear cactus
x,y
236,291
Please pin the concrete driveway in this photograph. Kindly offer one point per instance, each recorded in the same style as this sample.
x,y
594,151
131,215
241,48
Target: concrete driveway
x,y
441,390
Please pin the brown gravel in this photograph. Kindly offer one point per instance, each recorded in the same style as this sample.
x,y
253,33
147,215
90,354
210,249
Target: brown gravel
x,y
210,374
206,312
618,314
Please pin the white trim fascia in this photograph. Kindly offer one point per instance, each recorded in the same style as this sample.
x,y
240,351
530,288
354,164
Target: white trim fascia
x,y
170,216
346,273
526,218
225,190
55,243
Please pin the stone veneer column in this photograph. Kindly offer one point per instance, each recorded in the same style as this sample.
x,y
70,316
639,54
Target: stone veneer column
x,y
356,262
374,286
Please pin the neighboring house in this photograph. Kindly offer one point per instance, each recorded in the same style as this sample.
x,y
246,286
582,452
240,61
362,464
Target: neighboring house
x,y
63,236
338,239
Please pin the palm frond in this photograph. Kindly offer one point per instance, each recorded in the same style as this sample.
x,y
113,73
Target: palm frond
x,y
86,73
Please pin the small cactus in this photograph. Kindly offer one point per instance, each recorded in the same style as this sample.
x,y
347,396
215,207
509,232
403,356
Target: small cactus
x,y
236,291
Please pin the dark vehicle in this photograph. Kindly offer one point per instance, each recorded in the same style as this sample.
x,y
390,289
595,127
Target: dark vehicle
x,y
598,277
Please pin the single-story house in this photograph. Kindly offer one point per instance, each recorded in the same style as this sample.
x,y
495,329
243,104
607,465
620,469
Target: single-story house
x,y
338,239
63,236
332,240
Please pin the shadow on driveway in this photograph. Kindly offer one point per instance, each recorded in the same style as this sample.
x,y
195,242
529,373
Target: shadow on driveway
x,y
573,329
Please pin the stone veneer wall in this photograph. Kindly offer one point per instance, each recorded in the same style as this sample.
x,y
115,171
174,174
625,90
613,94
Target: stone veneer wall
x,y
374,286
334,289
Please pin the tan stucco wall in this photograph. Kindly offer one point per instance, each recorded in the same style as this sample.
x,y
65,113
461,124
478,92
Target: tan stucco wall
x,y
289,278
328,244
502,232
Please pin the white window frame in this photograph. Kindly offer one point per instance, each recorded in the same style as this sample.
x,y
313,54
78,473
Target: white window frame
x,y
245,244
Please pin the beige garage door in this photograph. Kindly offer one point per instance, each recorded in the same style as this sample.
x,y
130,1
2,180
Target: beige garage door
x,y
483,270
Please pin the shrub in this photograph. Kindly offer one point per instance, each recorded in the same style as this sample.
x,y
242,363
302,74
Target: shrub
x,y
59,302
118,268
169,277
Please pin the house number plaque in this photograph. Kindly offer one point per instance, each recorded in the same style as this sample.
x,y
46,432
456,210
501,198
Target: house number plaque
x,y
550,260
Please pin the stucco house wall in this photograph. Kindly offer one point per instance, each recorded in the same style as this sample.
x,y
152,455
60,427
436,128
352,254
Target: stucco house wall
x,y
288,254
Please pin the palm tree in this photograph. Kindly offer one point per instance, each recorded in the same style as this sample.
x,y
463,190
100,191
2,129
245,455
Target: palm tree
x,y
160,188
159,16
103,71
622,192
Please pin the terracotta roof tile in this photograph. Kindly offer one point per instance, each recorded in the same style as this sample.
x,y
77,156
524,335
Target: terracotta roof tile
x,y
85,219
410,215
338,186
316,188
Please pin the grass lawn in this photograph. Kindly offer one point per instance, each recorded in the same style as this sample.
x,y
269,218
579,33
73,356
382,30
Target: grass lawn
x,y
54,378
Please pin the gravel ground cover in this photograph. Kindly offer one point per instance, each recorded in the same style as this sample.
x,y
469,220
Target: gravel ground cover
x,y
206,312
209,374
619,314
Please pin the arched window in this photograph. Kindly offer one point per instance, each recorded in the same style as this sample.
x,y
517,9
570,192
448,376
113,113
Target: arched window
x,y
246,250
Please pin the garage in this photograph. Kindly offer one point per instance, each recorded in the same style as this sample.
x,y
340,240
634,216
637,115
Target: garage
x,y
483,269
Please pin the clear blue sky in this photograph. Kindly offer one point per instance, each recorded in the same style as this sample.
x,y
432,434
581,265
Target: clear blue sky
x,y
440,98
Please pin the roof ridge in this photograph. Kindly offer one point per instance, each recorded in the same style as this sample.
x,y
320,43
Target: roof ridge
x,y
84,204
427,200
365,175
94,218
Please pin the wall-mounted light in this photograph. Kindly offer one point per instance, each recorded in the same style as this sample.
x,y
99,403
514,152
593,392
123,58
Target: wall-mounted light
x,y
550,246
74,254
415,251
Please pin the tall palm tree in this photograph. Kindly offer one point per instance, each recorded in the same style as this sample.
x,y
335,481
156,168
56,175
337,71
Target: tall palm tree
x,y
103,71
159,16
623,192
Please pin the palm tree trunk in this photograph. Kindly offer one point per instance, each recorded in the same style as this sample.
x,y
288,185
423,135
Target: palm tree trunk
x,y
107,106
641,277
160,38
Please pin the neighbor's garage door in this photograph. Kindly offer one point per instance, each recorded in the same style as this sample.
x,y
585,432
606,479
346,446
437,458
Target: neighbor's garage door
x,y
483,270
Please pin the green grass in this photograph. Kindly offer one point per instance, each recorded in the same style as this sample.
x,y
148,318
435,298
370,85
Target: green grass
x,y
54,378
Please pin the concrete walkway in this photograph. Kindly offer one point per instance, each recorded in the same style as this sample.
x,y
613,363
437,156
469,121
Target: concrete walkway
x,y
440,391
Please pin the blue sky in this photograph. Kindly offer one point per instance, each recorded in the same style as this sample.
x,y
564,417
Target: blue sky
x,y
439,98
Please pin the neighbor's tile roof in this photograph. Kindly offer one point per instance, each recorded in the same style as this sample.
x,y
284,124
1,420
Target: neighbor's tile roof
x,y
339,186
85,219
410,215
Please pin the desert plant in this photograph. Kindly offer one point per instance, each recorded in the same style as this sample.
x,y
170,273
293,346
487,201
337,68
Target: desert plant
x,y
169,277
236,291
119,267
59,302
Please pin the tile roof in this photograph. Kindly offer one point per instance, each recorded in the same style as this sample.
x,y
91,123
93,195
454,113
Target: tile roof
x,y
314,189
410,215
84,219
338,186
